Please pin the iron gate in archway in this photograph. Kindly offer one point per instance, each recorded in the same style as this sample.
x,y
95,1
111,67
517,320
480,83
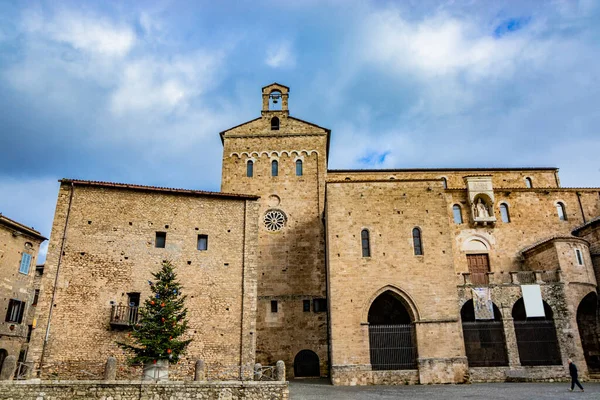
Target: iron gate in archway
x,y
392,347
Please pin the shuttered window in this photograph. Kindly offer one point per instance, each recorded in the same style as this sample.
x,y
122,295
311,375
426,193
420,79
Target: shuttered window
x,y
25,262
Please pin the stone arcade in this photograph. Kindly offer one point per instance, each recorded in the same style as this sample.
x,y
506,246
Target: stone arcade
x,y
366,276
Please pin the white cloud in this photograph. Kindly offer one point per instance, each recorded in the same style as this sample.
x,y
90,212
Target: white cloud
x,y
89,33
440,45
280,55
153,84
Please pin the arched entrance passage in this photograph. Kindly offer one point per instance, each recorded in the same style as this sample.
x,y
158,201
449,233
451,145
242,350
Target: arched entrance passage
x,y
536,337
306,364
588,323
485,343
391,334
3,355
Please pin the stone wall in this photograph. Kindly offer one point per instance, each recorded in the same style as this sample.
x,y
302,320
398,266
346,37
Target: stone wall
x,y
15,240
110,251
132,390
501,178
390,210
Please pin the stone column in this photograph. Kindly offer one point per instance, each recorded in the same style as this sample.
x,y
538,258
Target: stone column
x,y
8,368
257,371
199,373
511,343
280,371
110,369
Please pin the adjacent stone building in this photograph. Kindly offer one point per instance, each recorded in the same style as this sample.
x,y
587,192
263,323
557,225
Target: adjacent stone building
x,y
19,246
366,276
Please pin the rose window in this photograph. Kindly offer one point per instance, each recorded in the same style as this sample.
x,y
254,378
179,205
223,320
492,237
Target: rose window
x,y
274,220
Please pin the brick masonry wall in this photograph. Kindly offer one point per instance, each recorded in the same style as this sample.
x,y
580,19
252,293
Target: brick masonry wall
x,y
15,285
131,390
291,262
110,251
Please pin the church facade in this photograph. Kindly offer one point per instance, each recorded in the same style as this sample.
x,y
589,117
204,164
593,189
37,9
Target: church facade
x,y
365,276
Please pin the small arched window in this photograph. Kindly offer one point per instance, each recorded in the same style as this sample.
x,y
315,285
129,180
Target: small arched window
x,y
298,167
418,246
274,168
250,169
366,246
528,182
445,183
274,124
457,212
560,209
504,214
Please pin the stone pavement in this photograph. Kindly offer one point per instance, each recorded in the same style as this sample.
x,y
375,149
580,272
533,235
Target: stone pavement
x,y
321,389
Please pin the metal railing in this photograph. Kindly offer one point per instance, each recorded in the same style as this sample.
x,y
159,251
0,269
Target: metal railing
x,y
124,315
392,347
537,342
485,344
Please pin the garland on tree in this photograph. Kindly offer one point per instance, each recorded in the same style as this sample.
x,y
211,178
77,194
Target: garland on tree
x,y
162,321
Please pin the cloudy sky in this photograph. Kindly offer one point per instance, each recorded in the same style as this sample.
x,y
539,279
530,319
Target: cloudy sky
x,y
137,92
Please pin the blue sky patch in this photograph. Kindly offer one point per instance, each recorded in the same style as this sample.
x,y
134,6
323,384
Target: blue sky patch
x,y
511,25
374,158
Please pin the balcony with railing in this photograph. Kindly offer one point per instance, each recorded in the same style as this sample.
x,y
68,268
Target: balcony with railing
x,y
509,278
123,316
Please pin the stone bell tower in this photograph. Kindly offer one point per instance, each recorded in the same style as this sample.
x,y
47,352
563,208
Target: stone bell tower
x,y
283,159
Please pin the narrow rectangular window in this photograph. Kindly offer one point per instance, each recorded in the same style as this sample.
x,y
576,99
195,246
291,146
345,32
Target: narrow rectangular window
x,y
250,169
202,242
273,306
319,305
161,240
579,257
306,305
274,168
298,167
25,262
29,332
366,246
36,297
15,311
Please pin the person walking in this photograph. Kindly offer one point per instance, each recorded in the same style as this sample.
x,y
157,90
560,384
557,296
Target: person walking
x,y
573,373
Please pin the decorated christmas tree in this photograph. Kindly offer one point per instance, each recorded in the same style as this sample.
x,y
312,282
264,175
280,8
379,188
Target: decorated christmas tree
x,y
162,321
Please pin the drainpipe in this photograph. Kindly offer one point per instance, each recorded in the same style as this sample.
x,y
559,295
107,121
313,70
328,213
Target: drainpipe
x,y
60,255
243,293
580,206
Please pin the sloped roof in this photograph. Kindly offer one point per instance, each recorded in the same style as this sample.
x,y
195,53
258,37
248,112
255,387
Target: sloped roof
x,y
17,226
158,189
591,222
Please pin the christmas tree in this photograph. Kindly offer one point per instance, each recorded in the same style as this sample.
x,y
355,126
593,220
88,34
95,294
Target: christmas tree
x,y
162,321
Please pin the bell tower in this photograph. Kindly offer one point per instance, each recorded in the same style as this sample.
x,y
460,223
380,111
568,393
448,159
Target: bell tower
x,y
283,160
275,99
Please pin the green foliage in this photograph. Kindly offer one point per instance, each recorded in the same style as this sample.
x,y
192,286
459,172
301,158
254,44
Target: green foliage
x,y
162,321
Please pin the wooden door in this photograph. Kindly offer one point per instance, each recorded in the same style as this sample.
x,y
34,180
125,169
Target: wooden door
x,y
479,266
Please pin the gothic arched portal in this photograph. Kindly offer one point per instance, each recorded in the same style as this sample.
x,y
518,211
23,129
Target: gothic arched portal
x,y
391,333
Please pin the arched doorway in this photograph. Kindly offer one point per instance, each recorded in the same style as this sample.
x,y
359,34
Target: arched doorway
x,y
391,334
536,337
485,343
306,364
588,322
3,355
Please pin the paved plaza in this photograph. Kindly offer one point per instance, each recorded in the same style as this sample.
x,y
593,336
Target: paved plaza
x,y
321,389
